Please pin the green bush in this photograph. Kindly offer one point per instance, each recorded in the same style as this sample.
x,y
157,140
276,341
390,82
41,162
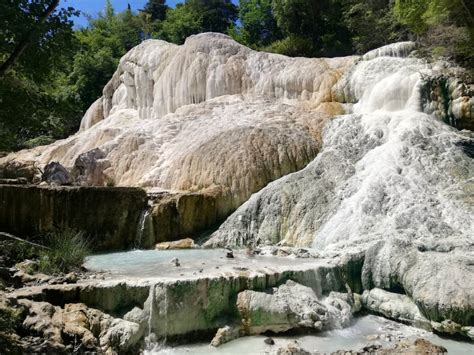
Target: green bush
x,y
68,249
292,46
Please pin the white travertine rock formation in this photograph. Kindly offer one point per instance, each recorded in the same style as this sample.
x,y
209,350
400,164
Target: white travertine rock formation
x,y
388,177
385,171
208,114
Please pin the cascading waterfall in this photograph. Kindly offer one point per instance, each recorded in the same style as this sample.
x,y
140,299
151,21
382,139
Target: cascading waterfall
x,y
150,339
156,343
141,226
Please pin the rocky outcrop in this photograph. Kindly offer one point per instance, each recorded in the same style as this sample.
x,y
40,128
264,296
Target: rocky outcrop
x,y
180,215
394,306
290,306
402,308
76,328
389,180
108,216
439,278
210,113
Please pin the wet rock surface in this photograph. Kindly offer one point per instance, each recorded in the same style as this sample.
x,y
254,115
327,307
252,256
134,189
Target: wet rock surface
x,y
290,306
109,216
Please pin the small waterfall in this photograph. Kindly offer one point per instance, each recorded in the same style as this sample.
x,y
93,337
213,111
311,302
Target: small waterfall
x,y
152,344
152,303
141,226
165,338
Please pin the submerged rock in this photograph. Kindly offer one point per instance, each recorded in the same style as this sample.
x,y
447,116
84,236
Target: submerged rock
x,y
269,341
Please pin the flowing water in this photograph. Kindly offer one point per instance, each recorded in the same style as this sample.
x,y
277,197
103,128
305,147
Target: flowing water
x,y
354,337
141,226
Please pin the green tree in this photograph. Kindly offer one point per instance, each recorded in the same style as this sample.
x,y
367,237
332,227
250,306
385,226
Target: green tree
x,y
30,105
372,24
102,44
446,27
156,9
258,25
196,16
181,22
316,27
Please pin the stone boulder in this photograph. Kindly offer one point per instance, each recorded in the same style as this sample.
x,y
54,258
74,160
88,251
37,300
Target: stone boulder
x,y
89,169
290,306
56,174
417,346
292,348
77,327
187,243
394,306
14,169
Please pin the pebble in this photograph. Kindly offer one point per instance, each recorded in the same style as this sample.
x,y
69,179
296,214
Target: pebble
x,y
269,341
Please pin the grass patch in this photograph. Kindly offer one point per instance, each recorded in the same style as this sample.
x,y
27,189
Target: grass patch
x,y
67,251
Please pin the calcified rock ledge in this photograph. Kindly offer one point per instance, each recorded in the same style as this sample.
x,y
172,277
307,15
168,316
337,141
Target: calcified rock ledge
x,y
181,304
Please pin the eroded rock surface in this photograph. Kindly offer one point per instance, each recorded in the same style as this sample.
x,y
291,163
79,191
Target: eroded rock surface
x,y
390,180
290,306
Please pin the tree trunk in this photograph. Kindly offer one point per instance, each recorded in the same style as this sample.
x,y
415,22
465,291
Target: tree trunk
x,y
29,36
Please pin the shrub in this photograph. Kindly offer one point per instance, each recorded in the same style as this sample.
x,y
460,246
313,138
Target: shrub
x,y
292,46
68,249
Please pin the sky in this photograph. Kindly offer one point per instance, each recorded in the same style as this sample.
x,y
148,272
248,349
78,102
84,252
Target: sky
x,y
92,7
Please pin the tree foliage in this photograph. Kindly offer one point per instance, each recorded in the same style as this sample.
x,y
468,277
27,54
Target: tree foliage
x,y
30,104
444,26
196,16
258,24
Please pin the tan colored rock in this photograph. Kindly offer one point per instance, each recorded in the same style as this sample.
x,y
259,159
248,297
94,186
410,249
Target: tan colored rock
x,y
187,243
76,323
225,334
14,168
292,348
46,320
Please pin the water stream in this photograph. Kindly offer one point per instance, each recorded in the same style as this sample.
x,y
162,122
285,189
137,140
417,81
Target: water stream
x,y
141,227
354,337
